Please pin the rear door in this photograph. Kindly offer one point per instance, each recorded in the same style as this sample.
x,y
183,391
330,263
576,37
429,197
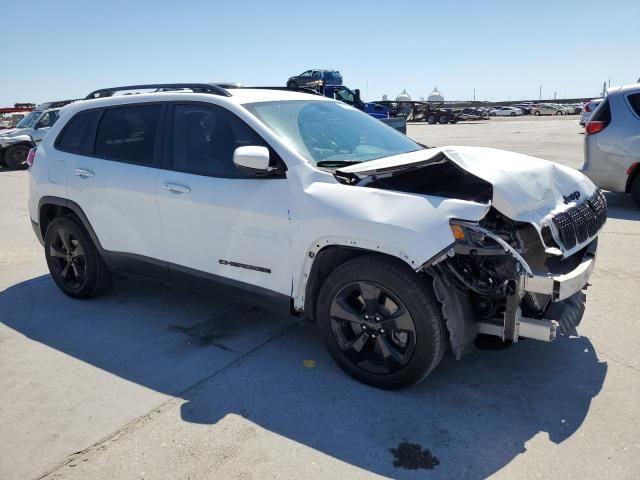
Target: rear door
x,y
112,177
223,227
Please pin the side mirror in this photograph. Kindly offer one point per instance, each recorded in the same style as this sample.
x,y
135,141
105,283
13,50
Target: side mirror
x,y
252,159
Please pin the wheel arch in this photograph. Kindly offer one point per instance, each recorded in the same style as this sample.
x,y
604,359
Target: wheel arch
x,y
635,172
324,256
50,207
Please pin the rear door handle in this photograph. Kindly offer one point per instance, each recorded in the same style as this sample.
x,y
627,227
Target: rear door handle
x,y
175,188
83,173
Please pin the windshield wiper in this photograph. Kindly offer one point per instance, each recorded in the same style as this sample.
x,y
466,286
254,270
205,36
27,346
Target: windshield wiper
x,y
336,163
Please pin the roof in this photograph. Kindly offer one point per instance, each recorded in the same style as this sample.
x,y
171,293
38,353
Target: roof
x,y
624,89
237,96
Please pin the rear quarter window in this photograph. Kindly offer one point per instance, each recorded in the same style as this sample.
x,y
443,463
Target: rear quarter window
x,y
603,112
74,137
634,102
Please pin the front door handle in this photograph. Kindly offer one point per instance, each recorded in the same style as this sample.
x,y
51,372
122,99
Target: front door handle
x,y
83,173
175,188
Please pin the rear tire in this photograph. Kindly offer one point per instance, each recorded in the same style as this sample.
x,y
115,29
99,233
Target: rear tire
x,y
443,120
292,85
513,114
16,157
73,260
393,340
635,190
431,119
537,113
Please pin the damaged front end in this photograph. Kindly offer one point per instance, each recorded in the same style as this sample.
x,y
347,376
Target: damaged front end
x,y
499,279
520,270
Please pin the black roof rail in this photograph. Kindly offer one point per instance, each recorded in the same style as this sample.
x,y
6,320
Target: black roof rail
x,y
196,87
289,89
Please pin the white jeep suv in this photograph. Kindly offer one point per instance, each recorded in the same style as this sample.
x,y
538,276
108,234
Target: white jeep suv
x,y
305,205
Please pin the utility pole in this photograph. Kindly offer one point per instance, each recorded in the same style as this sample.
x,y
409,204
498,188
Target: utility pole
x,y
474,94
540,98
554,95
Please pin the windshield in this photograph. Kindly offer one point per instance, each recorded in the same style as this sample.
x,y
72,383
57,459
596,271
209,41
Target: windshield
x,y
331,132
30,120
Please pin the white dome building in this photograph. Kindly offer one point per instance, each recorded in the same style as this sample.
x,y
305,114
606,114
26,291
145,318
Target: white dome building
x,y
403,97
435,96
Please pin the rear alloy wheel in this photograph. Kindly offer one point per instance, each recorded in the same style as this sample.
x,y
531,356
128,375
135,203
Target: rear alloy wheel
x,y
16,157
380,322
537,113
635,190
74,262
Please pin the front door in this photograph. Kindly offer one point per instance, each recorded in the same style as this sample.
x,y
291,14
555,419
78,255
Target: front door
x,y
220,224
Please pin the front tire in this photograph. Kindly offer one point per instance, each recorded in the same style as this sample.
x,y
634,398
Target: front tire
x,y
292,85
536,113
73,260
380,322
16,157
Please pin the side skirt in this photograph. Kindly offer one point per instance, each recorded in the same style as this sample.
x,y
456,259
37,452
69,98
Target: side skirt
x,y
221,286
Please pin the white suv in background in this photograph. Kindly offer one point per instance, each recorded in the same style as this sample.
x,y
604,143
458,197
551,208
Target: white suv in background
x,y
305,205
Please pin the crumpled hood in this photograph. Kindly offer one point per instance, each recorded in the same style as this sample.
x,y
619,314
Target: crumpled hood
x,y
525,188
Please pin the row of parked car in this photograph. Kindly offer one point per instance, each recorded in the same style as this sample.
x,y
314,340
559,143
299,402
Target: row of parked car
x,y
536,109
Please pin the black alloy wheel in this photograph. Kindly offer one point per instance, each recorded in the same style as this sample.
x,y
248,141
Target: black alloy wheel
x,y
73,260
380,321
373,327
68,259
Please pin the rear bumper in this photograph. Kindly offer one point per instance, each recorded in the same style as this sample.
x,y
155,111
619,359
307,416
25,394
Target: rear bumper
x,y
563,286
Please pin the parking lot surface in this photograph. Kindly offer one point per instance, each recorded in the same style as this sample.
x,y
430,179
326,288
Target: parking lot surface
x,y
156,381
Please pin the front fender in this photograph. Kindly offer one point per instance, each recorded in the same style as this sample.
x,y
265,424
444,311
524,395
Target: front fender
x,y
6,142
413,228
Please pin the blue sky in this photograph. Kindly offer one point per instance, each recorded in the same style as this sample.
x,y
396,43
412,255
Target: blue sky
x,y
503,49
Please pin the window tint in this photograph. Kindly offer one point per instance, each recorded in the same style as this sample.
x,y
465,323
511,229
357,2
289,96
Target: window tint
x,y
204,139
128,133
74,136
603,112
634,101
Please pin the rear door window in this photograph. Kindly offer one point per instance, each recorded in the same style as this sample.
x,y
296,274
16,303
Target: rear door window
x,y
75,137
129,134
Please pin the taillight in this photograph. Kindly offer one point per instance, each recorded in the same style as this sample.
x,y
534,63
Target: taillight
x,y
632,168
587,107
31,155
594,126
